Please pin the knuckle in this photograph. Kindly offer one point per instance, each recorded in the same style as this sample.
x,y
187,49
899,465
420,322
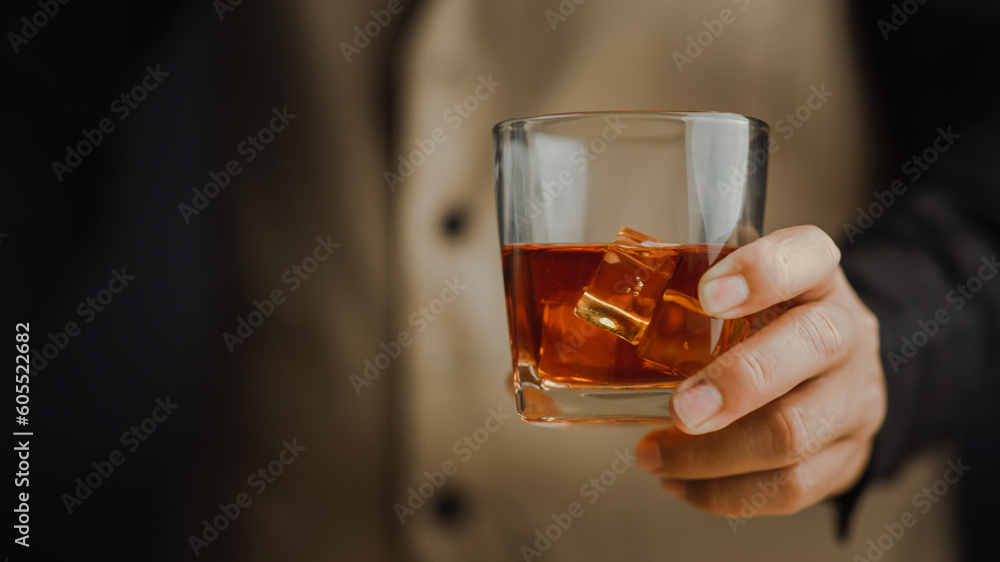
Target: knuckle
x,y
788,431
767,259
751,368
781,256
777,260
797,490
820,326
824,244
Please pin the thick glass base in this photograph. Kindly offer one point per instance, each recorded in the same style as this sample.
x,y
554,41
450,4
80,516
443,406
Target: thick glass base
x,y
543,401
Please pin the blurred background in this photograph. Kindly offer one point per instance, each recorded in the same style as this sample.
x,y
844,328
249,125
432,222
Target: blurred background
x,y
217,217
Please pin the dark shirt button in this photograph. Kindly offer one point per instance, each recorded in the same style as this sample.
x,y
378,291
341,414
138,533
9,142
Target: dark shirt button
x,y
449,507
455,223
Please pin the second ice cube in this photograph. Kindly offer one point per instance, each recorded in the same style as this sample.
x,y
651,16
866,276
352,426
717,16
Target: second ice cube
x,y
628,284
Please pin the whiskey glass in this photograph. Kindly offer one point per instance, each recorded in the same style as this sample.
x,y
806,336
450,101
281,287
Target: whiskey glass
x,y
607,222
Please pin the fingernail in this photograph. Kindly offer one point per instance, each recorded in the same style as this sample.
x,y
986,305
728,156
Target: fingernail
x,y
697,402
721,295
648,453
675,487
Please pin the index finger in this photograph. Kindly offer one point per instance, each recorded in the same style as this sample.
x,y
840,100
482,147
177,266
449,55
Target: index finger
x,y
800,344
800,261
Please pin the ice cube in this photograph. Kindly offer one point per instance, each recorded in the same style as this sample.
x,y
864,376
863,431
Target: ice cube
x,y
628,284
646,292
681,337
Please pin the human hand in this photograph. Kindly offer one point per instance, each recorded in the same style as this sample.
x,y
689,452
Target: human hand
x,y
797,404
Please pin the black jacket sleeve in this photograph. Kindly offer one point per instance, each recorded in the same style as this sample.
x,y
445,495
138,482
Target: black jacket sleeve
x,y
923,255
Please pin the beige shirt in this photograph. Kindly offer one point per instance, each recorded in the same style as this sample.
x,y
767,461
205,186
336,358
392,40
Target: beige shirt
x,y
418,265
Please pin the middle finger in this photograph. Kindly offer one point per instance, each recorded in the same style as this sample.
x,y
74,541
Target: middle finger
x,y
789,430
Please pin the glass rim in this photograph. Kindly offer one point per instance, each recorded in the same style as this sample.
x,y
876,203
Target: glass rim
x,y
508,124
